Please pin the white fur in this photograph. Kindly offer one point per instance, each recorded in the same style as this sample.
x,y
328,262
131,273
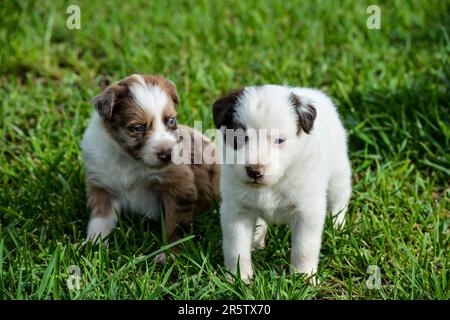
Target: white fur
x,y
149,97
304,173
101,226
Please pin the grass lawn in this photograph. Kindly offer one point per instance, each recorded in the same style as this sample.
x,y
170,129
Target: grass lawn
x,y
391,88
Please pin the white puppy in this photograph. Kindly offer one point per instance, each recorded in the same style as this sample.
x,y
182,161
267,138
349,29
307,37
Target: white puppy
x,y
302,171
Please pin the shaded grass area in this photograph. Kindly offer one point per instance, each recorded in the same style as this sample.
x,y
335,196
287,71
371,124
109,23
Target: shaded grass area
x,y
390,86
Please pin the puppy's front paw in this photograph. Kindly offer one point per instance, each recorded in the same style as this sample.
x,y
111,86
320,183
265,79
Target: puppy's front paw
x,y
339,217
339,221
246,274
258,244
311,275
96,238
247,277
99,229
164,257
160,258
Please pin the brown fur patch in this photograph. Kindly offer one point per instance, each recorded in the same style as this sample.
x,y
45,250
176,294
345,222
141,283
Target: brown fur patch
x,y
127,114
100,201
106,102
187,190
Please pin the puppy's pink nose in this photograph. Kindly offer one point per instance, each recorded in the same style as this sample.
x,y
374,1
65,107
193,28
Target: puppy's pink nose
x,y
254,171
165,155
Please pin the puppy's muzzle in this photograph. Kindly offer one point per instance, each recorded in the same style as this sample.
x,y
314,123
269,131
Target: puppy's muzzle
x,y
165,155
254,171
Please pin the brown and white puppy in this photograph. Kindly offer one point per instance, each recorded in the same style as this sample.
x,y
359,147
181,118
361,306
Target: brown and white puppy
x,y
127,150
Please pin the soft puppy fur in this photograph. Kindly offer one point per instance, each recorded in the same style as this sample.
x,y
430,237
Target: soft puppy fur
x,y
304,172
127,149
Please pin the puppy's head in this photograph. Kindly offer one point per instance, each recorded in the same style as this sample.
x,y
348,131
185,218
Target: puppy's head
x,y
139,114
263,128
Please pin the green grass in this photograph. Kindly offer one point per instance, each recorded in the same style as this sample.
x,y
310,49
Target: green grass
x,y
390,86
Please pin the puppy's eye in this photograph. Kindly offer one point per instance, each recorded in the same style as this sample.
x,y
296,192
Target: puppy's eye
x,y
171,122
240,139
279,141
137,128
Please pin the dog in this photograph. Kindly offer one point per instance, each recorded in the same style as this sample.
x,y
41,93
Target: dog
x,y
304,172
127,149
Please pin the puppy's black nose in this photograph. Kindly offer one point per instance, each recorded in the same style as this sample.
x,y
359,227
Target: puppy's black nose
x,y
254,172
165,155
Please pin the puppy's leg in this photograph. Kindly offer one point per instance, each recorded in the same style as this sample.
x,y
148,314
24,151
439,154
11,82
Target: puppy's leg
x,y
178,215
237,228
306,229
179,195
179,212
103,207
339,192
259,238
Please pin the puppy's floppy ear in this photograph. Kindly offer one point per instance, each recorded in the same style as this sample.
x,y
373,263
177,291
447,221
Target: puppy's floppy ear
x,y
104,103
173,92
224,107
306,113
171,89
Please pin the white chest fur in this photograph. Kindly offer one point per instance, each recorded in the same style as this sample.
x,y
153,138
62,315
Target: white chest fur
x,y
274,205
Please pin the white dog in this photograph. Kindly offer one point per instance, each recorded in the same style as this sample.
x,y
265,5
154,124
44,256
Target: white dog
x,y
304,172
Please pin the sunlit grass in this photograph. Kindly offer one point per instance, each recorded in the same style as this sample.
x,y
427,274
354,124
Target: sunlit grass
x,y
390,86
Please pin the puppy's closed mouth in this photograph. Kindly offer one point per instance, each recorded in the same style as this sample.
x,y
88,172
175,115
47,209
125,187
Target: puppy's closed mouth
x,y
255,183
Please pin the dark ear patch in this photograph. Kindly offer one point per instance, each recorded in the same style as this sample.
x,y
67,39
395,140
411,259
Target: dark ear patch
x,y
104,103
224,107
172,90
306,113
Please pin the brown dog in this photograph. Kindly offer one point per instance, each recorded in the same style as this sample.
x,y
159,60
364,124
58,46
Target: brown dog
x,y
128,149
